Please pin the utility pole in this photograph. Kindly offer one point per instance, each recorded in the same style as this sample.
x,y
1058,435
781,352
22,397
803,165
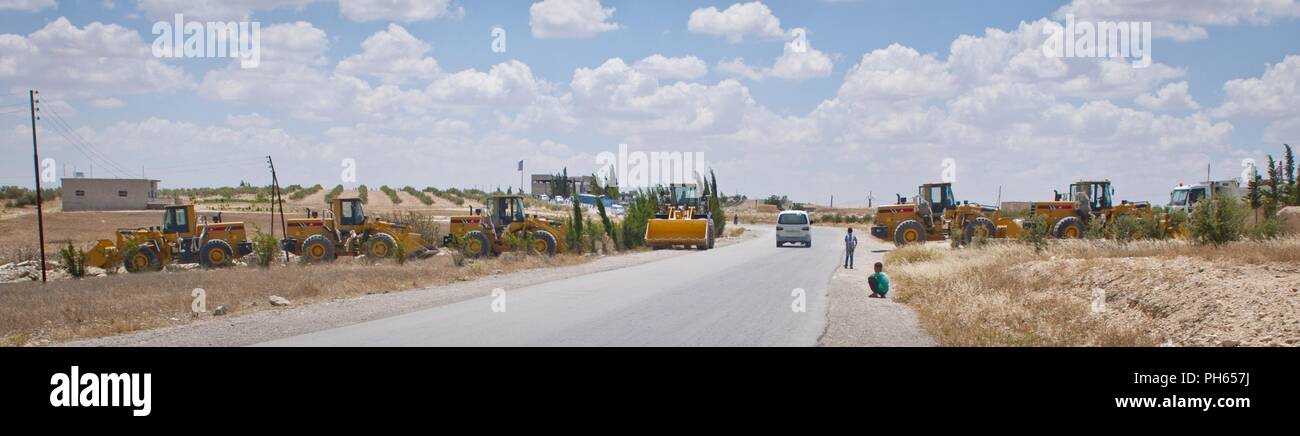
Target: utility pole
x,y
36,163
276,196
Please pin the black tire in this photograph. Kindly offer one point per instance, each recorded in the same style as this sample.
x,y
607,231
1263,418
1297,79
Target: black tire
x,y
216,253
317,249
381,246
779,244
485,244
150,261
1067,225
807,244
979,223
551,245
910,227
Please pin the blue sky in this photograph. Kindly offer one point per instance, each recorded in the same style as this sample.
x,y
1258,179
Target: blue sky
x,y
881,102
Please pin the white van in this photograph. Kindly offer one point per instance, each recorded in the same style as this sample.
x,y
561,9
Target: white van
x,y
793,226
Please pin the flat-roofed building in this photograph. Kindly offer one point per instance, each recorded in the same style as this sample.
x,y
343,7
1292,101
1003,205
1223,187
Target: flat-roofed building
x,y
110,194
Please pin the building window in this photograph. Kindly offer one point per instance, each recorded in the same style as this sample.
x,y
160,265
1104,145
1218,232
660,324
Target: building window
x,y
81,193
121,193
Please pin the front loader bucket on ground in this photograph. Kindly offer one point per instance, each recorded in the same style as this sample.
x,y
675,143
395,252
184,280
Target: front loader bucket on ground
x,y
667,232
415,245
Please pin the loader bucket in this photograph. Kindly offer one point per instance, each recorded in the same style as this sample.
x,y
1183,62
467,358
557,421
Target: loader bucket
x,y
415,245
669,232
102,254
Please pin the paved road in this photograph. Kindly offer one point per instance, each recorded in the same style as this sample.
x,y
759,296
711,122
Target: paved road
x,y
739,295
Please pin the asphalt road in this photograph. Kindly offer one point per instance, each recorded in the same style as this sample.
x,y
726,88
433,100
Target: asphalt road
x,y
738,295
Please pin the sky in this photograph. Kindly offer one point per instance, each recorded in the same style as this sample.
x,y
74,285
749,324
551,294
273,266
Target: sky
x,y
808,99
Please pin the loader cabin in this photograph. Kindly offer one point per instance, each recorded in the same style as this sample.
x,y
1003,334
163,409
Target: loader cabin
x,y
1099,194
939,196
506,209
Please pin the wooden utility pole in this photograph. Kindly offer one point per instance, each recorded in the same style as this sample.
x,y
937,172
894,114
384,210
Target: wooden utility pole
x,y
277,196
36,163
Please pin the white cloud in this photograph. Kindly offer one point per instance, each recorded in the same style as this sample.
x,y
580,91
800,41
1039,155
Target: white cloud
x,y
26,5
214,9
393,55
571,19
1173,97
108,103
248,120
507,83
801,65
793,65
683,68
1183,20
897,73
624,100
738,67
1274,94
406,11
97,60
737,22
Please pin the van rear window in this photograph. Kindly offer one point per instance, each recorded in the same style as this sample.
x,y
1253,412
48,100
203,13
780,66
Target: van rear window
x,y
792,218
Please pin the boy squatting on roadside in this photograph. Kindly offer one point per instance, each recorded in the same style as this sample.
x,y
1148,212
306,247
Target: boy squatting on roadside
x,y
879,282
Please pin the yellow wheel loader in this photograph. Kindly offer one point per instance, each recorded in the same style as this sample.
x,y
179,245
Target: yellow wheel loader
x,y
505,223
345,230
932,216
1068,216
183,238
684,220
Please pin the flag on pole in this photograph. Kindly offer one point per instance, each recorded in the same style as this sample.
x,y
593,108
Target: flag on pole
x,y
521,166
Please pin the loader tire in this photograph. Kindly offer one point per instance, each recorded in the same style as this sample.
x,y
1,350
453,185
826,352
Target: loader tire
x,y
1070,227
909,232
381,246
216,253
544,243
317,249
142,259
476,244
981,226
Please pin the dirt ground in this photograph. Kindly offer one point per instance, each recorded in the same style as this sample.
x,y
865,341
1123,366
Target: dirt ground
x,y
1155,293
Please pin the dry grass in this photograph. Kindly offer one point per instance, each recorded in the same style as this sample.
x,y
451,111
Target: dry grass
x,y
1156,291
71,309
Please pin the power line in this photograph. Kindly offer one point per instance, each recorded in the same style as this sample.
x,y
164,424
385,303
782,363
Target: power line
x,y
106,161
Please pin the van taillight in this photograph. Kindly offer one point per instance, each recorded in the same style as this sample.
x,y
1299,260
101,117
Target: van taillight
x,y
779,228
805,228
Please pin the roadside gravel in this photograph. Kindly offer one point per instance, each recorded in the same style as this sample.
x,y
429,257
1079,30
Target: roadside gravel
x,y
854,320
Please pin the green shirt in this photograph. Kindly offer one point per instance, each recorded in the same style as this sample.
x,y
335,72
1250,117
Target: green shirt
x,y
882,282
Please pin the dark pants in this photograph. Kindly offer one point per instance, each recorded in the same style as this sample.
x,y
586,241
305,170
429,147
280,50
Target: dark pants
x,y
848,258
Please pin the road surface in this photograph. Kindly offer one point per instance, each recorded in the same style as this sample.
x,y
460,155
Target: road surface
x,y
739,295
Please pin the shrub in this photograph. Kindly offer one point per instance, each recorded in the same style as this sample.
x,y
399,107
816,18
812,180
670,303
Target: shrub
x,y
1217,221
423,197
1126,228
1153,229
363,193
300,194
1096,228
1270,228
265,248
422,224
391,193
74,260
1034,232
329,198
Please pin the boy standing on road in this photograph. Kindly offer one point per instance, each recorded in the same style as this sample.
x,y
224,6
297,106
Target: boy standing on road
x,y
850,243
879,282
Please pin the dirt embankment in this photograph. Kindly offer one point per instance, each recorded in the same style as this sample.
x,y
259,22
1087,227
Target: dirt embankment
x,y
1106,294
